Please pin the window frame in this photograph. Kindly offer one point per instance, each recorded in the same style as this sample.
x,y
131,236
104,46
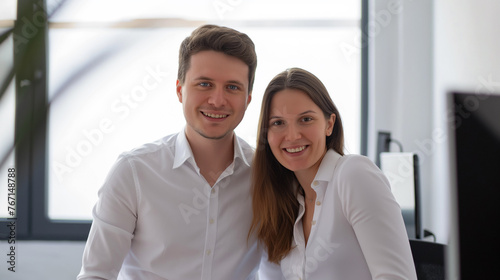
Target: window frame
x,y
32,221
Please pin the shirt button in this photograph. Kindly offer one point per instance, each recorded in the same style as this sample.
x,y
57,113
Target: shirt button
x,y
318,203
209,252
315,183
213,191
211,221
313,223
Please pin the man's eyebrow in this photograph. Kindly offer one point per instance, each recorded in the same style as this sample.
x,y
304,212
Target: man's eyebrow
x,y
236,82
203,78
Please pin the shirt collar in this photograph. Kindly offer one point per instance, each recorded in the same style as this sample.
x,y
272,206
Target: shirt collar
x,y
244,154
184,153
328,164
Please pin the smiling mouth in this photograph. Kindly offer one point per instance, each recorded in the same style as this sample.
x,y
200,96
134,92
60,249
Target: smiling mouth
x,y
214,116
295,150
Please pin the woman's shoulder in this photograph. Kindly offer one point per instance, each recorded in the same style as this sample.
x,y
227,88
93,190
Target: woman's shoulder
x,y
353,162
358,168
358,174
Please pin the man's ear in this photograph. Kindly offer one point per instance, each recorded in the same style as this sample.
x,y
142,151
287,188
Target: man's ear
x,y
179,90
249,98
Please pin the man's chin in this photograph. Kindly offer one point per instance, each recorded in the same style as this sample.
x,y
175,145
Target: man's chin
x,y
214,136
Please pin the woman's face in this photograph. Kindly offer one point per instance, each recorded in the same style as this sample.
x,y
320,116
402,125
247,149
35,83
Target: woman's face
x,y
298,130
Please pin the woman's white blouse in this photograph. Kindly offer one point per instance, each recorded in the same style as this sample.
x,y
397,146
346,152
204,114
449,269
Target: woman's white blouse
x,y
357,230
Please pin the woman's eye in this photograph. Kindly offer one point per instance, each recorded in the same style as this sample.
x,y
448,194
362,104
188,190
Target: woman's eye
x,y
276,123
307,119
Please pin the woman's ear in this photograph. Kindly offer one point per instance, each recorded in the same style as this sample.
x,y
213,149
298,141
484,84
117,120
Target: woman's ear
x,y
330,124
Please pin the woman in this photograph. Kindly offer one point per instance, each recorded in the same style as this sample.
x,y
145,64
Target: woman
x,y
321,214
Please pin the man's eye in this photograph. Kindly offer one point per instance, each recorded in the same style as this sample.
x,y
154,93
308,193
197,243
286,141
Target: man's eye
x,y
233,87
204,84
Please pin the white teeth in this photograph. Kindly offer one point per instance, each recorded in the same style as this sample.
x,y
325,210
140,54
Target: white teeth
x,y
296,150
215,116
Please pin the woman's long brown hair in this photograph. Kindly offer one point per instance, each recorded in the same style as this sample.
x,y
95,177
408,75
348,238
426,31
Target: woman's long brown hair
x,y
275,205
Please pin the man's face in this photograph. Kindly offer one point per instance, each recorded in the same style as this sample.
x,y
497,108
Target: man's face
x,y
214,95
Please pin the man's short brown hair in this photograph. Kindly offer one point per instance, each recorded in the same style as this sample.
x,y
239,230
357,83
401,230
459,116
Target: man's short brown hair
x,y
220,39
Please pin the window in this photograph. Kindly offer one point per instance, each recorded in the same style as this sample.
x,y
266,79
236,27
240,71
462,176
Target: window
x,y
7,114
112,67
7,104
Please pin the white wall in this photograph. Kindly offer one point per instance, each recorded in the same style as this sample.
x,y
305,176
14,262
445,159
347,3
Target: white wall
x,y
425,50
401,86
467,57
54,260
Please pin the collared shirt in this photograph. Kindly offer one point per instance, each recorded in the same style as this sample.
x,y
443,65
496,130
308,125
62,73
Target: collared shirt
x,y
158,218
357,229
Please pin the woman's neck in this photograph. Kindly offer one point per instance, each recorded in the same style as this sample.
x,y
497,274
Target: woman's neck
x,y
306,176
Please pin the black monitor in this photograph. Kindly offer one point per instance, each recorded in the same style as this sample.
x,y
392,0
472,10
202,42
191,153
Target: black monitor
x,y
474,134
402,171
383,144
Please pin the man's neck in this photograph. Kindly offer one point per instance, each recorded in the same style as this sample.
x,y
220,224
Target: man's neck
x,y
212,156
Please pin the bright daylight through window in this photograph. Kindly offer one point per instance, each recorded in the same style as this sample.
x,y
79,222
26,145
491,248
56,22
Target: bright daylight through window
x,y
113,67
7,103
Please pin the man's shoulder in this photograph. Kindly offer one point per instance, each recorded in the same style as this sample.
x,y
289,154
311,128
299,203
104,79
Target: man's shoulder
x,y
246,149
158,147
244,144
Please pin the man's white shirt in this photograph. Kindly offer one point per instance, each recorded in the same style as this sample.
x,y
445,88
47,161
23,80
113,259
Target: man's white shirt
x,y
158,218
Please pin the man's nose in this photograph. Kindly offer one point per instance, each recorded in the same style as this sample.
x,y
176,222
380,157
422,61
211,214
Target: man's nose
x,y
217,97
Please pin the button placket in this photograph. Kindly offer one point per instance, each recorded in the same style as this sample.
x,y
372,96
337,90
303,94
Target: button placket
x,y
319,188
211,232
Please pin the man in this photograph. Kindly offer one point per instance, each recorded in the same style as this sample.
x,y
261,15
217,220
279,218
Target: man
x,y
180,208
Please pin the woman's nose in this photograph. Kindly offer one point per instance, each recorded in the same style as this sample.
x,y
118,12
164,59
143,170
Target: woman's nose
x,y
292,133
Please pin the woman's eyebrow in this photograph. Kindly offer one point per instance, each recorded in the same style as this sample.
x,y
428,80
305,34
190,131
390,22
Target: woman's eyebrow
x,y
303,113
308,112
